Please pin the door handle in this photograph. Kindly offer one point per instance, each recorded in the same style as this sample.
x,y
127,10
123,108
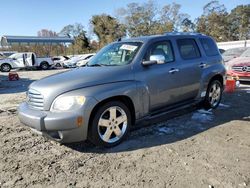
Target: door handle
x,y
202,65
173,70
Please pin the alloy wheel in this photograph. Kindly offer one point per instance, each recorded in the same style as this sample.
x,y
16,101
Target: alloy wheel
x,y
214,94
112,124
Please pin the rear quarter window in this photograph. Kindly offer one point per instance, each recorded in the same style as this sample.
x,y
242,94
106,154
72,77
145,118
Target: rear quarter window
x,y
188,49
209,46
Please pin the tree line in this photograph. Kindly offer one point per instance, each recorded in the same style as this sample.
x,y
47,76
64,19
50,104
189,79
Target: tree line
x,y
148,19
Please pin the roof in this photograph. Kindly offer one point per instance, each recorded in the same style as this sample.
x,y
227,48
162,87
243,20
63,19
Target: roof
x,y
6,40
169,34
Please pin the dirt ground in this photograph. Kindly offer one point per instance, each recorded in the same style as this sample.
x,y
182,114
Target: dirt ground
x,y
197,149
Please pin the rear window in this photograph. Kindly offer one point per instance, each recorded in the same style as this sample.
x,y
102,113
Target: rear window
x,y
188,48
209,46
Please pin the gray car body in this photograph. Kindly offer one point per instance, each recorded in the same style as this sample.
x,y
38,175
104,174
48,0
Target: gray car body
x,y
148,88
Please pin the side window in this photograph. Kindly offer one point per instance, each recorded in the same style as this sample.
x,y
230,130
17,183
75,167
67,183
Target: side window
x,y
161,48
188,49
88,57
209,46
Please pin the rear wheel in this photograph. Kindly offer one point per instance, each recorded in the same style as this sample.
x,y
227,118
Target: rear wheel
x,y
5,67
110,124
44,66
213,95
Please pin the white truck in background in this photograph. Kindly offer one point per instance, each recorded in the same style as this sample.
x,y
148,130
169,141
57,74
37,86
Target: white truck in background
x,y
25,60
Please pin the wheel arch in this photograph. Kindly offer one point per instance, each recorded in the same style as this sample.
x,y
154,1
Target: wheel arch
x,y
44,62
126,100
218,77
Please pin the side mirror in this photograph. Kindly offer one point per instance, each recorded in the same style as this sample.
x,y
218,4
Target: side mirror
x,y
154,59
160,59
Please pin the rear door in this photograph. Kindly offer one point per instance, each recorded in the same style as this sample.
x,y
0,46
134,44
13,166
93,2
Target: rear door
x,y
190,65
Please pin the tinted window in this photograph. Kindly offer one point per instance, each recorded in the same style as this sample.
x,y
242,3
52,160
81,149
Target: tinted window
x,y
162,48
188,48
88,57
209,46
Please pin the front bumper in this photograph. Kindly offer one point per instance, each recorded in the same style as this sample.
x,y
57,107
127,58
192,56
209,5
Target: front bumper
x,y
242,76
61,127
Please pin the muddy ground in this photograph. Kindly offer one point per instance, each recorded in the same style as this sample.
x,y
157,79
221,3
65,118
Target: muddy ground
x,y
197,149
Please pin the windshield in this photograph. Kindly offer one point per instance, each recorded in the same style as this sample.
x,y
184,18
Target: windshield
x,y
116,54
246,53
234,52
13,56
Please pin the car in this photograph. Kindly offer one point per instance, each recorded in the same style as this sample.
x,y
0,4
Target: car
x,y
25,60
126,83
240,67
84,60
58,60
2,56
233,53
71,62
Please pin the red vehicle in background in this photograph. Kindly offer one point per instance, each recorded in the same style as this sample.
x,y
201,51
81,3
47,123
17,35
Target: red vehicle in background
x,y
240,67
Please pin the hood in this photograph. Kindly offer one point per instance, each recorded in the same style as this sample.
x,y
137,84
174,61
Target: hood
x,y
239,61
228,58
52,86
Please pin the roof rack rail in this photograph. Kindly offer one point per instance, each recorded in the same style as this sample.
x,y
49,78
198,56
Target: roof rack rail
x,y
182,33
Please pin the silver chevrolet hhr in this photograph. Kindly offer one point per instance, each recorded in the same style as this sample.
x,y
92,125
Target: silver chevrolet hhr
x,y
127,82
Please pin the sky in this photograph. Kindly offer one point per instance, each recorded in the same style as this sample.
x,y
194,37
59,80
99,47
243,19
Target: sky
x,y
26,17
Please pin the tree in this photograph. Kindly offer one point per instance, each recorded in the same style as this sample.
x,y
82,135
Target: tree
x,y
107,28
81,44
213,21
46,33
72,30
139,19
81,41
147,19
239,20
171,18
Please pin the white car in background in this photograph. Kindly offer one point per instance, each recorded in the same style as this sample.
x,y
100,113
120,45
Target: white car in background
x,y
85,60
58,60
25,60
2,56
71,63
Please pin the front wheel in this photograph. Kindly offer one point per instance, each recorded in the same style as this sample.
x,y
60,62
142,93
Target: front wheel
x,y
110,124
213,95
5,67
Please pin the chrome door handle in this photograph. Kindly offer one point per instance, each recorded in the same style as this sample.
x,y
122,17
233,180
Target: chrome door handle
x,y
173,70
202,65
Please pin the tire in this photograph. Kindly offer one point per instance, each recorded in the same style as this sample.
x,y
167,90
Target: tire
x,y
213,95
58,65
5,67
44,66
109,130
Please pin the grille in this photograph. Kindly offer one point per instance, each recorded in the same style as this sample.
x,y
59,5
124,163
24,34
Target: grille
x,y
35,99
241,68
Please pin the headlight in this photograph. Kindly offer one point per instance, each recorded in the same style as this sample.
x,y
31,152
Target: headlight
x,y
67,103
228,68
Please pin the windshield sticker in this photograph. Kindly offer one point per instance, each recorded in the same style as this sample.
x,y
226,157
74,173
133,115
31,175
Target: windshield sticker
x,y
128,47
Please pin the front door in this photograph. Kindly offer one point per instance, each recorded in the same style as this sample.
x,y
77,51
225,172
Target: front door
x,y
163,80
29,59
